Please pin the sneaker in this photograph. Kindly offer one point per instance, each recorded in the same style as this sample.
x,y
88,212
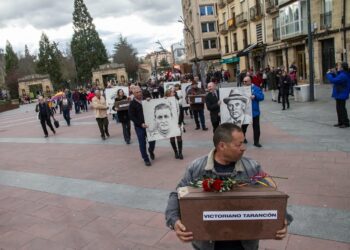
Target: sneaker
x,y
148,163
257,145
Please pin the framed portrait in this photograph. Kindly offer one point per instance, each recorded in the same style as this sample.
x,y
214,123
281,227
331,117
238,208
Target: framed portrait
x,y
236,105
111,94
161,116
169,85
184,89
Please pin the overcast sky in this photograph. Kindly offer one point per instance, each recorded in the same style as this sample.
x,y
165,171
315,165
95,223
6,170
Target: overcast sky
x,y
143,22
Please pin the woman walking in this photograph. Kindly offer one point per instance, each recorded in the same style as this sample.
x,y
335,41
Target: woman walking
x,y
123,115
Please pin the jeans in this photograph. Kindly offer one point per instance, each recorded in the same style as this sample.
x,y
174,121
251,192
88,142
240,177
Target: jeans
x,y
103,126
141,137
199,113
126,131
256,129
342,113
66,116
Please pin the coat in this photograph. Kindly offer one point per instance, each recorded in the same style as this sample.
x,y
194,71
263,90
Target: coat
x,y
123,115
100,107
272,80
44,110
212,105
285,83
341,84
259,96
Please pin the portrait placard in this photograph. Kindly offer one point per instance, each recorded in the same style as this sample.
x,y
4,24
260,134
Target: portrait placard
x,y
236,105
184,89
111,94
169,85
161,117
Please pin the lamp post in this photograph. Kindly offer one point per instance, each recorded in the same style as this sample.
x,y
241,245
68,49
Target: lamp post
x,y
193,42
311,52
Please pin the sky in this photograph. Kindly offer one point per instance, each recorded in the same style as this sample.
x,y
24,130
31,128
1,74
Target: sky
x,y
142,22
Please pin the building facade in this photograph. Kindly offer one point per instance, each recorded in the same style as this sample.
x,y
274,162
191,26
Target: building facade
x,y
110,72
257,33
201,33
34,85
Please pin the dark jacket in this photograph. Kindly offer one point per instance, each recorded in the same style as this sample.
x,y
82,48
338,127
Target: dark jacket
x,y
65,107
212,105
285,83
341,84
44,110
123,115
272,80
76,96
136,113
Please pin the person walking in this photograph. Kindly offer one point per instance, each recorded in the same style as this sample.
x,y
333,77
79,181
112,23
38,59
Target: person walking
x,y
197,108
76,100
272,83
66,105
177,149
285,83
136,115
100,106
340,78
212,101
257,96
123,116
44,115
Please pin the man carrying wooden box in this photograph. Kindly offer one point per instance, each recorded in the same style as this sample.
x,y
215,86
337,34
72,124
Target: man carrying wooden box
x,y
226,162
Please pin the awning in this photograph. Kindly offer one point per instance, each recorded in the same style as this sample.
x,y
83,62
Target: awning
x,y
233,59
250,47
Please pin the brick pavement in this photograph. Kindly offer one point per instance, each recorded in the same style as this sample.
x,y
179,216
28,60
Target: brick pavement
x,y
300,144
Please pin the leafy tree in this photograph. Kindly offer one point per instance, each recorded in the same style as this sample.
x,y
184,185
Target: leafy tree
x,y
87,48
11,69
164,63
125,54
69,74
48,60
26,64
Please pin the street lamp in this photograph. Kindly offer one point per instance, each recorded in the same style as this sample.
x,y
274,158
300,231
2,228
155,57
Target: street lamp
x,y
193,42
311,54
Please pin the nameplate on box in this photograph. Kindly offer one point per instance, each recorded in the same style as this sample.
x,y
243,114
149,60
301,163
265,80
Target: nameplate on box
x,y
240,215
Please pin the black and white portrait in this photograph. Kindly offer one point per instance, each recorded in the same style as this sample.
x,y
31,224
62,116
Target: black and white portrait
x,y
169,85
161,116
184,89
236,105
111,94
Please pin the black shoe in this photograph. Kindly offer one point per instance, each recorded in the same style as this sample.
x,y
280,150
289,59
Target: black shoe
x,y
127,142
46,136
197,128
107,134
148,163
103,137
283,109
257,145
245,141
177,156
337,125
343,126
181,156
54,132
151,155
205,129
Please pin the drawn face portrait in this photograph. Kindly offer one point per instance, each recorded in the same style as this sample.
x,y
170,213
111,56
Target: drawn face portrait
x,y
162,118
236,109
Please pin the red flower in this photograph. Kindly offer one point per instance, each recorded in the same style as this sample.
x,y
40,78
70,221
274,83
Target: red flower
x,y
217,184
206,184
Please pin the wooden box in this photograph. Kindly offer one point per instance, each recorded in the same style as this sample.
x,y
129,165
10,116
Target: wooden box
x,y
197,99
122,105
245,213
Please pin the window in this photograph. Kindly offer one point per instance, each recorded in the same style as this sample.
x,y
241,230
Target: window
x,y
226,45
259,35
245,39
208,27
276,29
206,10
326,15
291,20
235,45
209,43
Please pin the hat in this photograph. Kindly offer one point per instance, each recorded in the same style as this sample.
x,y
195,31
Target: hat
x,y
235,96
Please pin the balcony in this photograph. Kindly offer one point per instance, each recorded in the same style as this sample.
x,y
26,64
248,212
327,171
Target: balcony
x,y
271,6
231,23
222,4
326,20
276,34
293,30
223,28
255,13
242,19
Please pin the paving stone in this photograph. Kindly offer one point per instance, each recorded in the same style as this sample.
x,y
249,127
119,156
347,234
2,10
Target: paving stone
x,y
142,235
38,243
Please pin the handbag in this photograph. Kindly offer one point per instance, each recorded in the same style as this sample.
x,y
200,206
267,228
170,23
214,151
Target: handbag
x,y
56,123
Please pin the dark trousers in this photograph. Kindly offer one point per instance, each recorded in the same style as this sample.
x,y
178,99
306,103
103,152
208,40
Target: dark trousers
x,y
103,126
77,107
279,95
200,114
285,100
84,105
256,129
46,120
141,137
66,116
342,113
126,131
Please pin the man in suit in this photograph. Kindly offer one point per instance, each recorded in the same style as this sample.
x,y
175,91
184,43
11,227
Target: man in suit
x,y
212,101
44,115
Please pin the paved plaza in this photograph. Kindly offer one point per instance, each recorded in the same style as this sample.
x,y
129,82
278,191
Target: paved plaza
x,y
74,191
